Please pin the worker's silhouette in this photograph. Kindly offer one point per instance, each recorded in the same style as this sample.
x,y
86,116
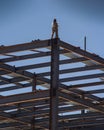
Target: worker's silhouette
x,y
54,29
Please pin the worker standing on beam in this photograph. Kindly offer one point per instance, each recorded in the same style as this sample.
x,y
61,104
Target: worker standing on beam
x,y
54,29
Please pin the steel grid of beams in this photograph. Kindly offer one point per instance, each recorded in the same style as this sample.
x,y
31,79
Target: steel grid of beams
x,y
49,85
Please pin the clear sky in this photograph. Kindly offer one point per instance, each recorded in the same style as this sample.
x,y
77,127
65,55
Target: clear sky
x,y
25,20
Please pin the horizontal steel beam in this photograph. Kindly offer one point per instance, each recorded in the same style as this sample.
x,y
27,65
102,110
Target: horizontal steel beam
x,y
25,46
8,117
82,77
14,80
14,70
81,52
45,111
47,64
30,56
82,102
73,123
73,117
16,87
11,125
85,85
78,69
81,124
78,92
23,105
98,91
27,97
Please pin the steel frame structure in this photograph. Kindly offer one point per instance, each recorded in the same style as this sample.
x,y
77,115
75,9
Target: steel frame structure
x,y
50,85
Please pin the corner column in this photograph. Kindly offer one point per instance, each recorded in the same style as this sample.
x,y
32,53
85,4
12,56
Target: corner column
x,y
53,122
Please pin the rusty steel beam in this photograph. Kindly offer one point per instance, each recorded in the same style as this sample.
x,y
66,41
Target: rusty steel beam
x,y
27,104
78,69
25,46
54,85
86,85
30,56
91,76
26,97
73,117
82,102
45,111
8,117
10,125
81,52
15,87
47,64
81,123
98,91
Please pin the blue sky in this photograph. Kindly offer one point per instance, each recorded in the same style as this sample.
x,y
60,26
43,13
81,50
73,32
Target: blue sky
x,y
24,20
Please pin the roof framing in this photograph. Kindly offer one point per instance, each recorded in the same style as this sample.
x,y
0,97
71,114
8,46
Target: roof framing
x,y
34,97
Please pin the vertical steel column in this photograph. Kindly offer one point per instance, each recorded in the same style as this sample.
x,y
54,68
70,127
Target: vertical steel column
x,y
34,83
33,124
53,124
33,90
83,111
19,109
85,43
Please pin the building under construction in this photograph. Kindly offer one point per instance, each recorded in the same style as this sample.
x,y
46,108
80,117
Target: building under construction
x,y
50,85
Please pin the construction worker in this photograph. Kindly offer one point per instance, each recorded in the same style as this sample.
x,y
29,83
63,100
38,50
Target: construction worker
x,y
54,29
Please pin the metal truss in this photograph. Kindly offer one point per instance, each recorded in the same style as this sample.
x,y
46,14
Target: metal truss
x,y
50,85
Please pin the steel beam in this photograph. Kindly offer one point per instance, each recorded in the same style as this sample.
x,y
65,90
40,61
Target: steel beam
x,y
53,124
26,97
45,111
8,117
78,69
24,105
16,87
47,64
88,55
78,92
77,125
30,56
82,77
11,125
98,91
73,118
86,85
82,102
25,46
